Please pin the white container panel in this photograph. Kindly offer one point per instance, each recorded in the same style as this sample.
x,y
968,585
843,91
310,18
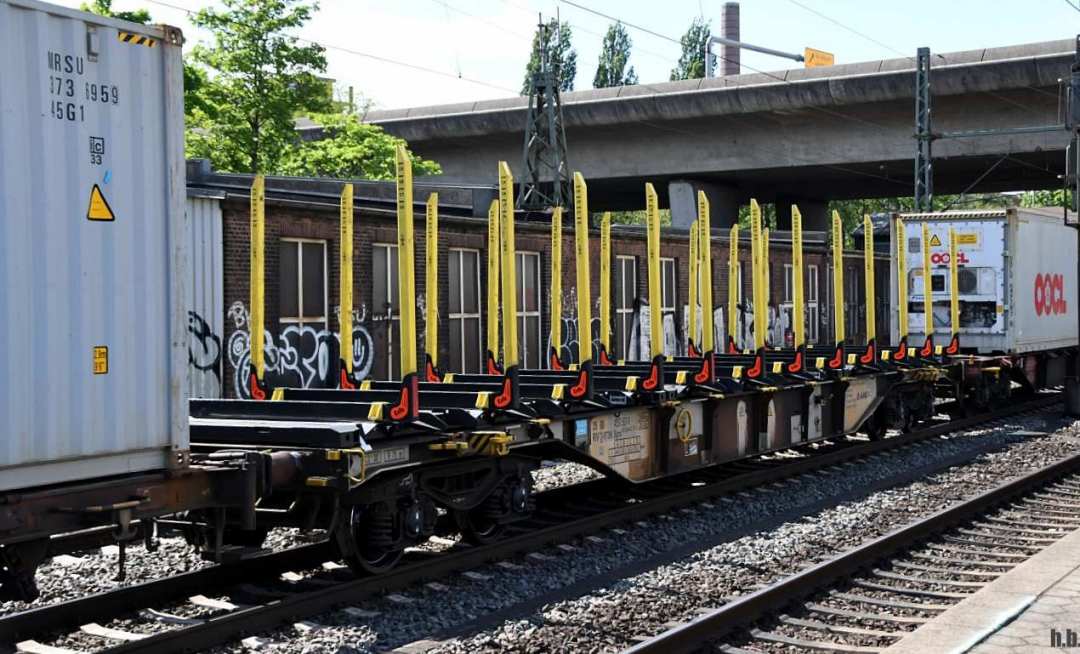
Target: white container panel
x,y
206,315
1044,301
94,353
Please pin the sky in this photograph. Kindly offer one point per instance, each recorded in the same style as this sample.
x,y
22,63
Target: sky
x,y
464,50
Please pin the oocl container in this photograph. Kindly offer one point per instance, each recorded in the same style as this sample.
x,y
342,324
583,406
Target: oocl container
x,y
93,349
1017,278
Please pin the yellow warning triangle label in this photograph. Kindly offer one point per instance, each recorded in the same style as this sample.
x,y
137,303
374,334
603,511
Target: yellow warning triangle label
x,y
935,241
99,207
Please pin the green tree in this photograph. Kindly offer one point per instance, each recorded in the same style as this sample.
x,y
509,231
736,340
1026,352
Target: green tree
x,y
561,53
768,215
634,217
692,61
1055,198
104,8
350,149
196,102
614,57
260,78
195,78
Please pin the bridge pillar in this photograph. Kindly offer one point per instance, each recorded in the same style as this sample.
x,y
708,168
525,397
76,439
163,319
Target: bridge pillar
x,y
723,203
815,213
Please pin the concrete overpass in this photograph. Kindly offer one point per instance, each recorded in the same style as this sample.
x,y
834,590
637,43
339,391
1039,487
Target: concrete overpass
x,y
806,135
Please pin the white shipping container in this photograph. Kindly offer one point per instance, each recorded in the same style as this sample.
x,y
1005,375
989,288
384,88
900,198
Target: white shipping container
x,y
1017,279
93,358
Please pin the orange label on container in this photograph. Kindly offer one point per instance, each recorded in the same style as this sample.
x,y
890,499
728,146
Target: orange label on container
x,y
101,360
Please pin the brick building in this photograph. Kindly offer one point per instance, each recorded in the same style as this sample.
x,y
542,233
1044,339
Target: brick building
x,y
302,280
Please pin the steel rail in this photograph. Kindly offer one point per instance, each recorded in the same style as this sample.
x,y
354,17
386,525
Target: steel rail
x,y
221,629
109,604
713,625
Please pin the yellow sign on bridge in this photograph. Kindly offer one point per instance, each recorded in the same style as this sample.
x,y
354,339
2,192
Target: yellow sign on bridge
x,y
814,58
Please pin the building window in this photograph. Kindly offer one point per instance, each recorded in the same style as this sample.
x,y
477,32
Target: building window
x,y
881,299
302,282
854,300
625,292
668,295
387,332
530,345
827,306
744,307
465,332
810,300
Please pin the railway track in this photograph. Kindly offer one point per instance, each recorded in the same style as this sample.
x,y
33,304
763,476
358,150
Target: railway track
x,y
268,601
869,597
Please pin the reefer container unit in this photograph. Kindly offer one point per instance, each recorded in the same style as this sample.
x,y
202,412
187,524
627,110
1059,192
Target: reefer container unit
x,y
92,247
1016,275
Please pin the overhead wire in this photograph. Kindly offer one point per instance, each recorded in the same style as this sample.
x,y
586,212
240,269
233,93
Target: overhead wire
x,y
1005,157
978,179
992,94
577,26
863,173
830,112
1028,164
672,129
908,57
367,55
457,50
572,3
616,19
849,29
481,19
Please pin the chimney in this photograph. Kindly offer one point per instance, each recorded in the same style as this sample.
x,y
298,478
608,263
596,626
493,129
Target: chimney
x,y
729,29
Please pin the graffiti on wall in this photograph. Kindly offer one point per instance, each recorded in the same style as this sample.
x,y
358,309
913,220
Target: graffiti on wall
x,y
301,356
640,347
778,327
675,336
204,357
571,336
421,320
717,327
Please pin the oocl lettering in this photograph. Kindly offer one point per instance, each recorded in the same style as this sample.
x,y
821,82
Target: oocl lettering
x,y
1050,294
943,257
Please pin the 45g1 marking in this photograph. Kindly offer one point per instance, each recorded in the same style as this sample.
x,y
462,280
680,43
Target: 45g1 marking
x,y
67,111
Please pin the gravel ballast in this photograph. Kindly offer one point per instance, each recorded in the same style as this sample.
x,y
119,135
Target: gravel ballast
x,y
630,582
66,577
695,558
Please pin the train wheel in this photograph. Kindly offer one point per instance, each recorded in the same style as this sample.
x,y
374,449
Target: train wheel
x,y
982,396
875,428
376,561
18,564
486,523
368,541
477,528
